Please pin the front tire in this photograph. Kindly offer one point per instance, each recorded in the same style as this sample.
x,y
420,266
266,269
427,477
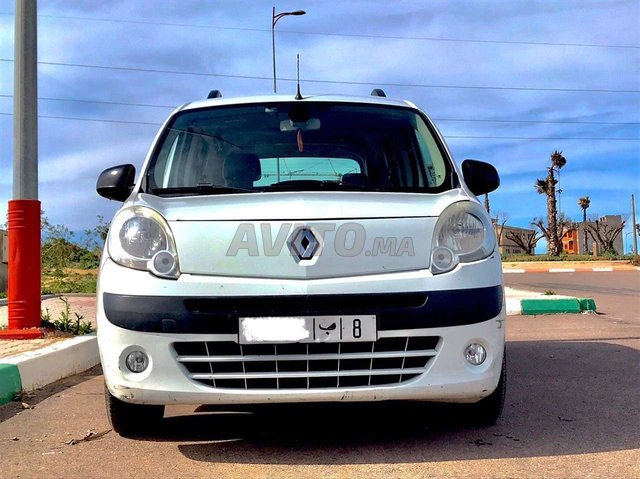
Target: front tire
x,y
132,420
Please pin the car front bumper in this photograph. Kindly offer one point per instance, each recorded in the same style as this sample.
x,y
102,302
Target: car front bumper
x,y
446,376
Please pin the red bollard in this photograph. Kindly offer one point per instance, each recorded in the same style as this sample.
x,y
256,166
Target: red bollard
x,y
24,270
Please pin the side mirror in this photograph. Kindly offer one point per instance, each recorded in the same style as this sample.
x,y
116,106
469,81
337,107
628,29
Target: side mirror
x,y
480,177
116,183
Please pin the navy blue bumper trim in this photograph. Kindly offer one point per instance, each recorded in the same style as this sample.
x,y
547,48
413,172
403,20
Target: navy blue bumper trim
x,y
219,315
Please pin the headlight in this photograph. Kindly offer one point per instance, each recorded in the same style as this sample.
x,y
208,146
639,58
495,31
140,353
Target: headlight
x,y
140,238
462,234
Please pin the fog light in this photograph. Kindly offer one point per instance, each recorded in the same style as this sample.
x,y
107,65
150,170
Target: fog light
x,y
475,354
164,262
137,361
443,259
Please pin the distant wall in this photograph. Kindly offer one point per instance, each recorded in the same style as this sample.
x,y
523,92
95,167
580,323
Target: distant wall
x,y
4,259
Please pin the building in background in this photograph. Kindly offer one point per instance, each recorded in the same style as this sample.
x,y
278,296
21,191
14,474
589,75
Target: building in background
x,y
506,245
572,240
573,237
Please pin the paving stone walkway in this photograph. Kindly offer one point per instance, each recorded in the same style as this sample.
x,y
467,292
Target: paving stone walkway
x,y
83,305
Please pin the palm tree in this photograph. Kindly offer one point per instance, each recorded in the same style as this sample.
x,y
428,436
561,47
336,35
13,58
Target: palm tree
x,y
584,203
548,187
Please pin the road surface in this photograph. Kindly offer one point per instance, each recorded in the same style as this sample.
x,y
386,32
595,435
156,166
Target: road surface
x,y
572,410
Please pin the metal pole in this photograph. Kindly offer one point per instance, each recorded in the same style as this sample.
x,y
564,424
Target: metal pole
x,y
273,47
274,20
25,114
24,290
634,232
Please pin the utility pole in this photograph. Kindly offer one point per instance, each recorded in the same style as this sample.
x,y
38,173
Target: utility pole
x,y
634,232
274,19
24,209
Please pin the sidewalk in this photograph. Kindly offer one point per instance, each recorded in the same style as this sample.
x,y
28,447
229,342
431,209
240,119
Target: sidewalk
x,y
34,363
30,364
83,304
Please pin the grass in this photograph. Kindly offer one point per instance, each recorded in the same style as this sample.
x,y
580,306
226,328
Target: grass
x,y
66,281
549,292
69,281
66,324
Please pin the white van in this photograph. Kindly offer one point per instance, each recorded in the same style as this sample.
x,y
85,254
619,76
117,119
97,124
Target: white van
x,y
278,249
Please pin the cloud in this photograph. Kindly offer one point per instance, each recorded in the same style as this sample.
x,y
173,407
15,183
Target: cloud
x,y
73,152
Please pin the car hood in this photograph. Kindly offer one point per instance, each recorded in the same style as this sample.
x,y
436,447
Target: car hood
x,y
260,235
296,206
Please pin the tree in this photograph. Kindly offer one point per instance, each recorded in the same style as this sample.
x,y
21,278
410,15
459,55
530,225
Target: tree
x,y
547,187
525,240
498,223
562,223
584,204
57,245
60,250
95,238
605,235
486,203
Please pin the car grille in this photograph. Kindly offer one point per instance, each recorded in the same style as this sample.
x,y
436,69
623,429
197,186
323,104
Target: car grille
x,y
229,365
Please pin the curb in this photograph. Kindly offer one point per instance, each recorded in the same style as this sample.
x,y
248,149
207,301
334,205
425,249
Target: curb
x,y
567,270
562,305
35,369
9,382
5,301
567,267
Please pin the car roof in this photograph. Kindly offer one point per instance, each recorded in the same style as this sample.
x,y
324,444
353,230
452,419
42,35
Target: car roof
x,y
245,100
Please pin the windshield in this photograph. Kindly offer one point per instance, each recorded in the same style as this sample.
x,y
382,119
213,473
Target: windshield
x,y
297,146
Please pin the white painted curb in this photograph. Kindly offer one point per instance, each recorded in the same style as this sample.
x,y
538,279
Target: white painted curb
x,y
514,306
562,270
65,358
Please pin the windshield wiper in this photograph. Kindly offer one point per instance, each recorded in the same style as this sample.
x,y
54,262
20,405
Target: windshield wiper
x,y
316,185
200,189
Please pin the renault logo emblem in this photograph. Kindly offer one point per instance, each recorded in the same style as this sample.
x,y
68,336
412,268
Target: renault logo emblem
x,y
303,243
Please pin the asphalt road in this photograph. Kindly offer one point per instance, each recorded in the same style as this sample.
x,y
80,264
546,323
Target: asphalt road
x,y
572,411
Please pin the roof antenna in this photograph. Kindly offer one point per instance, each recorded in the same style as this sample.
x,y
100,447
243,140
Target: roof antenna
x,y
298,94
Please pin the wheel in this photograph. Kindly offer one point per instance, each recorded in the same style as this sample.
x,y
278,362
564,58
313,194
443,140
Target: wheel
x,y
487,411
131,419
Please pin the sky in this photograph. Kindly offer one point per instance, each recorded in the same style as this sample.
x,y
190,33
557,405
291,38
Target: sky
x,y
506,82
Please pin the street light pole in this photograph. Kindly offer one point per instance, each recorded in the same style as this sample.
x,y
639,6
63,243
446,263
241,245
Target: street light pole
x,y
274,19
23,296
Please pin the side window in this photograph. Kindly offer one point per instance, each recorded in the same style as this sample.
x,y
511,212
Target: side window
x,y
187,159
431,156
166,171
161,174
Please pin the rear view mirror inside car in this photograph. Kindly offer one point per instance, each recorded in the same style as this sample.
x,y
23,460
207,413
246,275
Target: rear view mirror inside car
x,y
290,125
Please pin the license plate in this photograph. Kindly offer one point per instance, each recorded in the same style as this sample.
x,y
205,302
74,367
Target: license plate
x,y
307,329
